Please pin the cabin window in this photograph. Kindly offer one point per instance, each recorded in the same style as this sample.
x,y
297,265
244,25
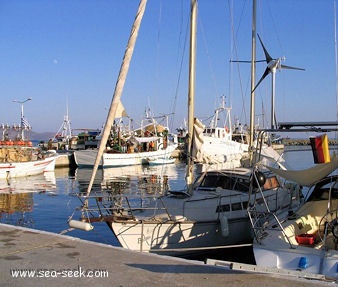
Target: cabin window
x,y
236,206
224,181
223,208
241,185
214,181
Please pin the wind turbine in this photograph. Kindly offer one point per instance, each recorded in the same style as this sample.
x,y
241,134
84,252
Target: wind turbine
x,y
272,66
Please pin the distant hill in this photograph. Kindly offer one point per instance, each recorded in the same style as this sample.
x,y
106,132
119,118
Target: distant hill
x,y
40,136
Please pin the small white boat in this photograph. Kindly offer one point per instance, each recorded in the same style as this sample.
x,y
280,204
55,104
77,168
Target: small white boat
x,y
18,161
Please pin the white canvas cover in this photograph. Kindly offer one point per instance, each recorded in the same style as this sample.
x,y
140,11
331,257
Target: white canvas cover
x,y
309,176
197,141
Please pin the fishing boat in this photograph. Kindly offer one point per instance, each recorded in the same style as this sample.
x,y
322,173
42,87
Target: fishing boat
x,y
151,142
209,213
135,151
18,157
217,144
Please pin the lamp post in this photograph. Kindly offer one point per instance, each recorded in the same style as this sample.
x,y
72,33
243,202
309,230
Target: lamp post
x,y
23,122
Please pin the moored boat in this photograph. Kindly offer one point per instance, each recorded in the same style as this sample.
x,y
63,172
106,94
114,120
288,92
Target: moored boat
x,y
18,156
210,213
18,161
137,147
306,242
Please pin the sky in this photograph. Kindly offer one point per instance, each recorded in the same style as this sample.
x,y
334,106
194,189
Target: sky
x,y
68,53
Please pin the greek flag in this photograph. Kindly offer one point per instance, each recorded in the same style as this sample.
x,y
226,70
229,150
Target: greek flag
x,y
24,123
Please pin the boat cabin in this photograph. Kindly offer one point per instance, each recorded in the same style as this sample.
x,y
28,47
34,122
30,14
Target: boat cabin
x,y
239,181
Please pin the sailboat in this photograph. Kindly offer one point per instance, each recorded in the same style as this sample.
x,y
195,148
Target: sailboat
x,y
304,243
210,213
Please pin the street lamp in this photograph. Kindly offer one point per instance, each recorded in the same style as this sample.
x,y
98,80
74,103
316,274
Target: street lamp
x,y
23,123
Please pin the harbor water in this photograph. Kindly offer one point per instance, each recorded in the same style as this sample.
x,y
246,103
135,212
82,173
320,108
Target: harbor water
x,y
46,202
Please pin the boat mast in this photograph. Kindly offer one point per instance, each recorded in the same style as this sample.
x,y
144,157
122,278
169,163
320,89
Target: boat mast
x,y
118,89
65,130
191,93
335,55
253,71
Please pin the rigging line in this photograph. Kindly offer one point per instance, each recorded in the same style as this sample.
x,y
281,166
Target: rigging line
x,y
230,8
157,69
213,76
243,112
181,65
180,62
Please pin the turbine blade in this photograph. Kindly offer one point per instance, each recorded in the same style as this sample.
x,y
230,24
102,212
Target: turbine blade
x,y
266,72
291,68
268,58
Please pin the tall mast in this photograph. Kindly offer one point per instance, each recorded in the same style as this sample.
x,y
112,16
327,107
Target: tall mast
x,y
191,94
118,88
335,54
253,71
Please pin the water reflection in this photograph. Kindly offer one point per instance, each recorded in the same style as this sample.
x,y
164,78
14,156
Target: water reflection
x,y
13,208
129,179
16,197
37,183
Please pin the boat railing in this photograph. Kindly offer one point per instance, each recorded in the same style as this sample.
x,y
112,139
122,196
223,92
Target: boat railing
x,y
129,206
137,206
264,218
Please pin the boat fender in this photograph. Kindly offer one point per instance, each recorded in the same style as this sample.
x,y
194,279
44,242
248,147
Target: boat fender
x,y
259,179
224,224
86,226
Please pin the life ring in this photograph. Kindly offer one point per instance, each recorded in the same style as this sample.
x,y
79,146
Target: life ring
x,y
226,129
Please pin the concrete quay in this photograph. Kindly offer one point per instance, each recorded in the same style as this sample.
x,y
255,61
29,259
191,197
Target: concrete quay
x,y
59,260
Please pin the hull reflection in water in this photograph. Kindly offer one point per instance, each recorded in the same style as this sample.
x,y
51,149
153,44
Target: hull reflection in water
x,y
16,197
129,179
37,183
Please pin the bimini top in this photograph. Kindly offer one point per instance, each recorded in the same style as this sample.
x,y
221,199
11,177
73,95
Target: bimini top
x,y
309,176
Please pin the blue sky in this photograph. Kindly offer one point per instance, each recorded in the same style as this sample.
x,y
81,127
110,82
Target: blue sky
x,y
60,52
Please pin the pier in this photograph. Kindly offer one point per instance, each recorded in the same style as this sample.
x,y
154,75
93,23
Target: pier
x,y
36,258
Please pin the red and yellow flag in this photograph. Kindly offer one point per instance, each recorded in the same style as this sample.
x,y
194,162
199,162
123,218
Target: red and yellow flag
x,y
320,149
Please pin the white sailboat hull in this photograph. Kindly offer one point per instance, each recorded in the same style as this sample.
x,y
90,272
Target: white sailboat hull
x,y
180,238
85,158
178,226
20,169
